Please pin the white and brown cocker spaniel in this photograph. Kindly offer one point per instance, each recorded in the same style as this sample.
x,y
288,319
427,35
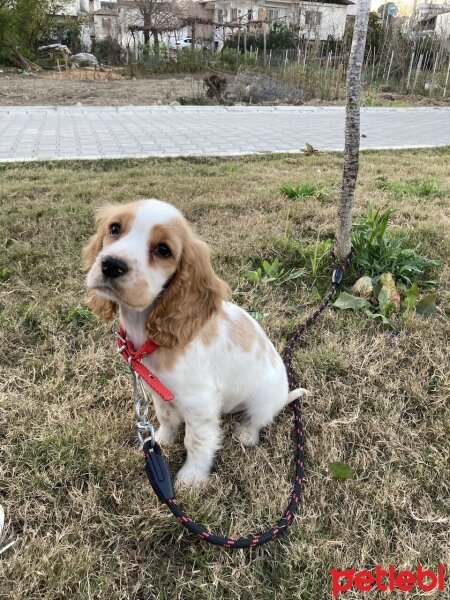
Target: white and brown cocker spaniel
x,y
146,261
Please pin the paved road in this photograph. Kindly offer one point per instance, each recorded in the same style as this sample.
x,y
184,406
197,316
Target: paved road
x,y
42,133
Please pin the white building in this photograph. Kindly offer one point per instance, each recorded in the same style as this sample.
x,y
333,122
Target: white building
x,y
321,20
435,24
432,19
314,20
119,19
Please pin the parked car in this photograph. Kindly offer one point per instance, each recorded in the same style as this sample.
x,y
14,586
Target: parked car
x,y
187,43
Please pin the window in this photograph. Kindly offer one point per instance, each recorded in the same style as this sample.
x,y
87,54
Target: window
x,y
249,15
313,18
220,16
110,5
106,24
234,14
273,14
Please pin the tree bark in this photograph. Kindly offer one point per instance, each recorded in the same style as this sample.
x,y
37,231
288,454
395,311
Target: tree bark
x,y
352,131
156,42
193,35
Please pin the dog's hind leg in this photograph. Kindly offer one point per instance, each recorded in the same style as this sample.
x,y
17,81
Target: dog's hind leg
x,y
269,399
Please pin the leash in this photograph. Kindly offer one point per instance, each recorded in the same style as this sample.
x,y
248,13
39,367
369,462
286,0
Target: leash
x,y
158,471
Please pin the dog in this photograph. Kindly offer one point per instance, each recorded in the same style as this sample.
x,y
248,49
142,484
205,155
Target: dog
x,y
146,262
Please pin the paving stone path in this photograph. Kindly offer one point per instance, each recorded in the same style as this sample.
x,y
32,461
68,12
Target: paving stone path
x,y
43,133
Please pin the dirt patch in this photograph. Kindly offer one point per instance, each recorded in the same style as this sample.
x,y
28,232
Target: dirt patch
x,y
95,89
113,88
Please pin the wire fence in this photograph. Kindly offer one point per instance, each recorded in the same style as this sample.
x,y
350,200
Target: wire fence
x,y
397,64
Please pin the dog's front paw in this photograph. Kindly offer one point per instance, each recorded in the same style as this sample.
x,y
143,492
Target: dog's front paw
x,y
247,435
164,435
189,475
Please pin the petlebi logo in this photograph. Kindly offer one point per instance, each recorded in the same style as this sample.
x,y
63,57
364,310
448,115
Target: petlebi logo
x,y
387,579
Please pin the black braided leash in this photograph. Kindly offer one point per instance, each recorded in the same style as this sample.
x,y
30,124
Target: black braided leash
x,y
161,480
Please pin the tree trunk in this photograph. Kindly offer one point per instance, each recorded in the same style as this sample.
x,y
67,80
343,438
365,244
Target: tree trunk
x,y
193,32
352,131
156,43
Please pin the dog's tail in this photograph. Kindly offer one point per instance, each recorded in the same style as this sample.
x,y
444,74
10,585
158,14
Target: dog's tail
x,y
298,393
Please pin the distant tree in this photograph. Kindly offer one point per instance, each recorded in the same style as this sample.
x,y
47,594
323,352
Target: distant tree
x,y
155,16
25,23
374,32
280,36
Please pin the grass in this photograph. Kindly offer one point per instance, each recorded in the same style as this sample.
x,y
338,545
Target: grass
x,y
424,188
71,478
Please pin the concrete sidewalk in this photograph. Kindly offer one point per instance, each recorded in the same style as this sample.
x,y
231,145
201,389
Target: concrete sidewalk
x,y
46,133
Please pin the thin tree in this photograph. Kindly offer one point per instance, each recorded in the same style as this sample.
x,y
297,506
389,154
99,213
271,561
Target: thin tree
x,y
352,131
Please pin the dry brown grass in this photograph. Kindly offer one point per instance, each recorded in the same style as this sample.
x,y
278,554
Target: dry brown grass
x,y
85,75
86,522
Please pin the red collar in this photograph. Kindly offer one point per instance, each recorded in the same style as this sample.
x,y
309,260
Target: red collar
x,y
133,358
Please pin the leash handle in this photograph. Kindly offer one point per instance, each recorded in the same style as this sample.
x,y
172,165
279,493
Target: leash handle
x,y
158,471
161,480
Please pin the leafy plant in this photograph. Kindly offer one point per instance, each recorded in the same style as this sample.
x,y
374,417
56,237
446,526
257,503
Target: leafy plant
x,y
347,301
80,315
411,296
427,306
387,300
304,190
273,273
377,251
387,263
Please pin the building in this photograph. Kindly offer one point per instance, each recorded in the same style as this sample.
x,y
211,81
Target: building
x,y
314,20
173,24
209,22
105,23
432,20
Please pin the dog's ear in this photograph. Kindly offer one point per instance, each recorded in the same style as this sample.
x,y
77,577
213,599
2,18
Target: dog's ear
x,y
103,308
193,295
91,250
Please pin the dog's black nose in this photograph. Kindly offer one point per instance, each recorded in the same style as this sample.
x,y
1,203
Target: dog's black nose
x,y
113,267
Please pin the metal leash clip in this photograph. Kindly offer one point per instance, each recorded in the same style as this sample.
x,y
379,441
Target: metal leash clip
x,y
141,405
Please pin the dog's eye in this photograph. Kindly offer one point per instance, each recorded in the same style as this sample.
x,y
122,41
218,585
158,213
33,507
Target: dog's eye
x,y
114,229
163,250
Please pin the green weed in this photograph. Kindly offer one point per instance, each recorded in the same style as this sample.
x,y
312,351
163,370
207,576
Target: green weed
x,y
305,190
273,273
379,251
79,315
